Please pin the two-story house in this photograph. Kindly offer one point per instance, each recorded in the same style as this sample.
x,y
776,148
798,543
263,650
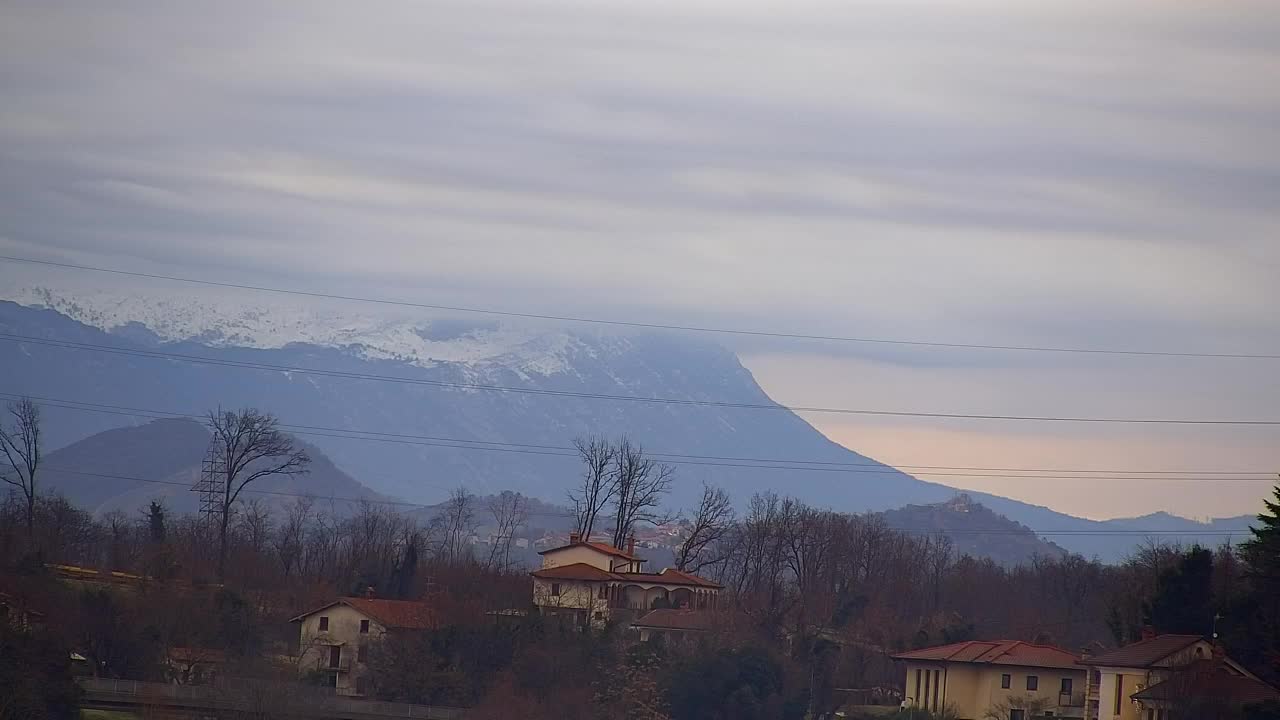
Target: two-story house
x,y
975,678
590,583
1157,676
335,639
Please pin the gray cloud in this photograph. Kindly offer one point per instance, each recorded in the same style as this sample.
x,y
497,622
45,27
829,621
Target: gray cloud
x,y
992,171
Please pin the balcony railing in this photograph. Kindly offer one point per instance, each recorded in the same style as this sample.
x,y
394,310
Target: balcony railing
x,y
1070,700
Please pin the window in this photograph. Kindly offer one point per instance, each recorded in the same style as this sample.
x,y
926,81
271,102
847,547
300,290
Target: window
x,y
555,589
1033,682
362,653
335,655
924,699
599,615
919,700
937,686
604,592
332,680
1017,714
364,627
1006,681
1066,686
1119,692
324,623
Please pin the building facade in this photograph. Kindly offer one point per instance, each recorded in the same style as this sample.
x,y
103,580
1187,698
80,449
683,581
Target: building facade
x,y
1149,679
1013,679
588,583
335,640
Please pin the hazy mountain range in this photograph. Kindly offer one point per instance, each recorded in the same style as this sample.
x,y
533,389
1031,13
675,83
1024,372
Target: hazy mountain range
x,y
443,423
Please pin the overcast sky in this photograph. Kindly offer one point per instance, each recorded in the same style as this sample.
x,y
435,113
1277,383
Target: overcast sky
x,y
1069,173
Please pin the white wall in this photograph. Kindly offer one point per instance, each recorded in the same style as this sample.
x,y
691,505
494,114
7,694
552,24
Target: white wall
x,y
344,627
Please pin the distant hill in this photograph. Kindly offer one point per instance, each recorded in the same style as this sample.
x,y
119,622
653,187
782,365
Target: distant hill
x,y
975,530
125,468
434,431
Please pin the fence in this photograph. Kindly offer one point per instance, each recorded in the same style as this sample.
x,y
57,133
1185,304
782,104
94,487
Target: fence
x,y
315,701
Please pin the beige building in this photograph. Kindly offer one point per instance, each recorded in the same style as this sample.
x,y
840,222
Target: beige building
x,y
590,583
1152,678
1015,679
335,639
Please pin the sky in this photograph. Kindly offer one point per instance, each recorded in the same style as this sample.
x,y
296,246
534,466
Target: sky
x,y
1083,174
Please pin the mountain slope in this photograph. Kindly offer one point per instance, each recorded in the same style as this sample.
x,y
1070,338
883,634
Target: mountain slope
x,y
974,530
125,468
399,461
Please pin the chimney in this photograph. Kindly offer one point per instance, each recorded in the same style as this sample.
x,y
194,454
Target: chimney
x,y
1149,632
631,545
368,591
1219,653
575,538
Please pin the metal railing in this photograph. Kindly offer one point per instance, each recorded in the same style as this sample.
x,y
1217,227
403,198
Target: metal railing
x,y
321,702
1070,700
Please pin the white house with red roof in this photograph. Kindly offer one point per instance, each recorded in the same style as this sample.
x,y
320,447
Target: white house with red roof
x,y
1156,677
334,639
1017,679
590,583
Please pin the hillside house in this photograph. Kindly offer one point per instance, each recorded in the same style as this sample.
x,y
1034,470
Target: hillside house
x,y
15,613
194,665
590,583
1157,676
335,639
1009,676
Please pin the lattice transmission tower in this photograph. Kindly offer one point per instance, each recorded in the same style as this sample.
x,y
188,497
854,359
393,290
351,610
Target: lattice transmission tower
x,y
213,473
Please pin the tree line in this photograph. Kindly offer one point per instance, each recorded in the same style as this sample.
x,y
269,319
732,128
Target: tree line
x,y
813,599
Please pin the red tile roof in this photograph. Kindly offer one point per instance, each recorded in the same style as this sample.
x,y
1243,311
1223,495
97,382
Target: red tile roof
x,y
404,614
197,655
675,619
997,652
1144,653
605,548
669,577
575,571
583,571
1206,684
390,614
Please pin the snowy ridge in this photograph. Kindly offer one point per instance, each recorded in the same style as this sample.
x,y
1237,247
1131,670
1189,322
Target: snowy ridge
x,y
217,320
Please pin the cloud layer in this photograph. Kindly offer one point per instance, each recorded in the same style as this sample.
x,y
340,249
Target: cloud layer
x,y
1079,174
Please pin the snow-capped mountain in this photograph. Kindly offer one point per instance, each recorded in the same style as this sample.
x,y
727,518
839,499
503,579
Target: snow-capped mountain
x,y
384,396
389,333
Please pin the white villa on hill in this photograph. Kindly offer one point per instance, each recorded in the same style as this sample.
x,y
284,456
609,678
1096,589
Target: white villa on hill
x,y
588,582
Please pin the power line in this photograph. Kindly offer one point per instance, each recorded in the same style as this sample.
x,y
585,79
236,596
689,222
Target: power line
x,y
251,365
570,452
644,325
922,531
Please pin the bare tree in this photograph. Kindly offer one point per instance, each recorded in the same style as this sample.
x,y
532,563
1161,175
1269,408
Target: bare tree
x,y
711,522
510,511
288,542
21,446
457,524
249,447
598,481
641,484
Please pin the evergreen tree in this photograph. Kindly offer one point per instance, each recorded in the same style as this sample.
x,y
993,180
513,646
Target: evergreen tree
x,y
1258,613
1184,601
1262,551
155,522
